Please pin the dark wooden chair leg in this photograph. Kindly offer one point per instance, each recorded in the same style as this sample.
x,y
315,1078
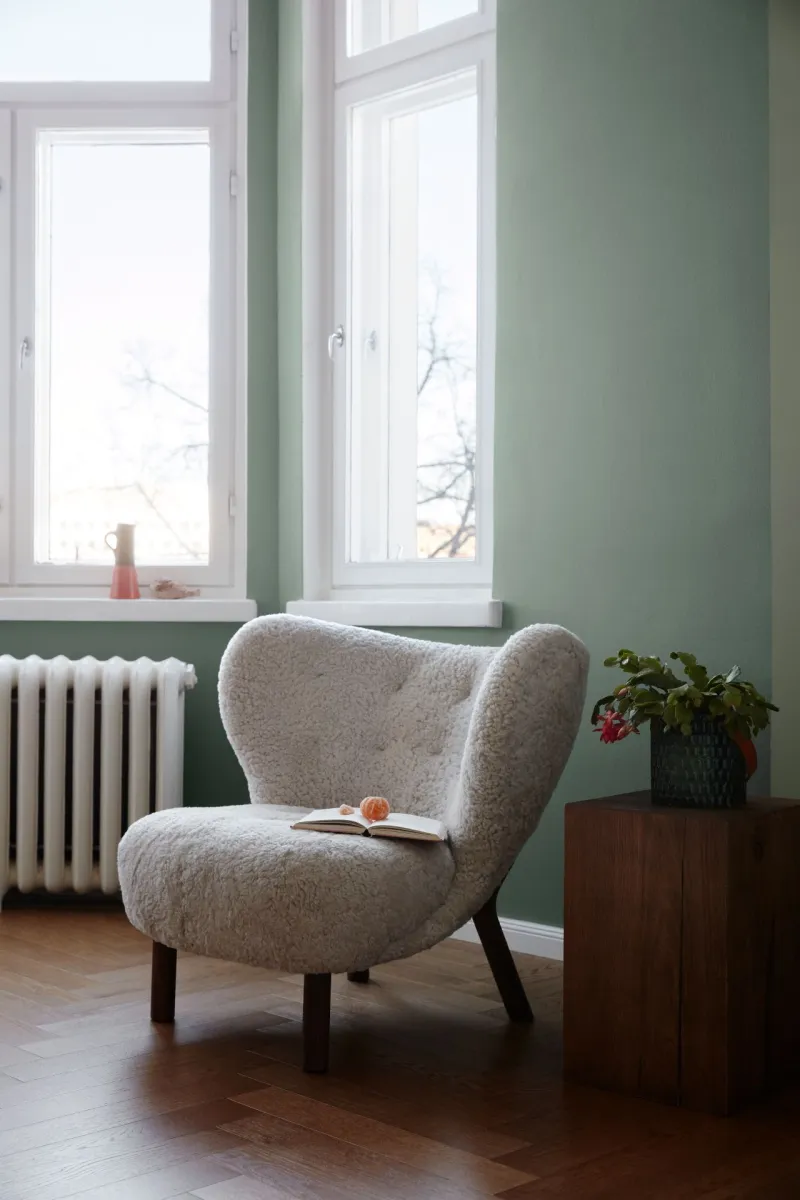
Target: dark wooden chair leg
x,y
502,962
316,1022
358,976
162,984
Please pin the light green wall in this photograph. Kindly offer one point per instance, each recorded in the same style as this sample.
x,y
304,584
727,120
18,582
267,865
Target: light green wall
x,y
632,429
262,267
785,230
632,408
290,365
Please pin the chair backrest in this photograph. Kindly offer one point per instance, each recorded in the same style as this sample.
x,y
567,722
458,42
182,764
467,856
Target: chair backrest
x,y
322,714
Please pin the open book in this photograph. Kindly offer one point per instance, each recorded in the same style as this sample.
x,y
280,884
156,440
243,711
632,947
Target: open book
x,y
398,825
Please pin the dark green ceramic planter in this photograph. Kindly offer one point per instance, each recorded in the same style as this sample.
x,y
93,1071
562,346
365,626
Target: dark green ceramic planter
x,y
704,769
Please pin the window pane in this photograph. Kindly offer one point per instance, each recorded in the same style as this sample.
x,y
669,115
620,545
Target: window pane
x,y
414,267
90,41
122,348
373,23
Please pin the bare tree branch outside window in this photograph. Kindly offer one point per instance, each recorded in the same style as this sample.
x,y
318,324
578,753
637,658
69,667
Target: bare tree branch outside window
x,y
446,482
156,458
445,398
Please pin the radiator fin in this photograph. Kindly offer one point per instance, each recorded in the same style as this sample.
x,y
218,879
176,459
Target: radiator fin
x,y
83,692
57,674
7,680
27,789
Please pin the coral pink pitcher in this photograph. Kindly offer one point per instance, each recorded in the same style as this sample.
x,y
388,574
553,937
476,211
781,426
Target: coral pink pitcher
x,y
124,583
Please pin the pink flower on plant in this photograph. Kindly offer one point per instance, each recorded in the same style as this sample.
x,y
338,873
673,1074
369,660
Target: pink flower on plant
x,y
614,727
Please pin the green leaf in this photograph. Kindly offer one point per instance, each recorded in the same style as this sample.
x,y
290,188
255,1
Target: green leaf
x,y
665,681
686,729
652,690
694,670
602,703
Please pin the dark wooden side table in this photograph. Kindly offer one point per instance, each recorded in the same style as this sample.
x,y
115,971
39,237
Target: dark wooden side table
x,y
682,949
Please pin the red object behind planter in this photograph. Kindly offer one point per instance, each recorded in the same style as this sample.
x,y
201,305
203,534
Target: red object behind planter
x,y
749,751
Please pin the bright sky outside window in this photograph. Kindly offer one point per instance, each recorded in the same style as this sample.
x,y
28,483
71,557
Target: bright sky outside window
x,y
125,41
373,23
122,344
414,267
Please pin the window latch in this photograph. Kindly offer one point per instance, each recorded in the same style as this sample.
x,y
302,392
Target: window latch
x,y
336,339
25,351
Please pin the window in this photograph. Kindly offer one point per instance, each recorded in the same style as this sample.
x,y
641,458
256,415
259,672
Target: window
x,y
372,23
121,291
401,278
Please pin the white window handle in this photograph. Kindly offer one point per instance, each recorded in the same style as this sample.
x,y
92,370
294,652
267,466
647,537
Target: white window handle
x,y
25,351
336,339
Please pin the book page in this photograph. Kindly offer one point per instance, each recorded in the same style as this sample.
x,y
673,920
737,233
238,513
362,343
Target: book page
x,y
331,818
397,823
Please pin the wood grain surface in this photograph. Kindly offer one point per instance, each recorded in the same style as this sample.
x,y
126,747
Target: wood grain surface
x,y
682,950
432,1093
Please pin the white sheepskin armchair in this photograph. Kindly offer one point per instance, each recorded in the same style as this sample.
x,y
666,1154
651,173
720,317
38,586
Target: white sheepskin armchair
x,y
319,715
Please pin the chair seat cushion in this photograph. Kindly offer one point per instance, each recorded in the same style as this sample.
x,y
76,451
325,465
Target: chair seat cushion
x,y
238,883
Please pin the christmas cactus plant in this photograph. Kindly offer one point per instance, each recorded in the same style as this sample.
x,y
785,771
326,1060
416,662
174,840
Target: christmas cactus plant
x,y
652,691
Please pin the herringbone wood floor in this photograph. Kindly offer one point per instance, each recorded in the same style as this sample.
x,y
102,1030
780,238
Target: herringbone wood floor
x,y
432,1095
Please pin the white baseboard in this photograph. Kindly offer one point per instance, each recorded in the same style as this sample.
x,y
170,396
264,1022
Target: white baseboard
x,y
525,937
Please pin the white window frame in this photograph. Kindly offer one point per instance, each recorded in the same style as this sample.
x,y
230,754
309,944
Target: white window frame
x,y
440,37
219,106
423,592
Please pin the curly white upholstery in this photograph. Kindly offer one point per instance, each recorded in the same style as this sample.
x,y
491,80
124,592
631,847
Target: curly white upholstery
x,y
320,714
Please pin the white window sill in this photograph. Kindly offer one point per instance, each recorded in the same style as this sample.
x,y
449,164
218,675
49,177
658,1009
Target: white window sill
x,y
100,608
449,614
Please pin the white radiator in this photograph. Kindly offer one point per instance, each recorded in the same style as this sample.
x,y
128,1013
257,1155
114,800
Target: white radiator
x,y
86,748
